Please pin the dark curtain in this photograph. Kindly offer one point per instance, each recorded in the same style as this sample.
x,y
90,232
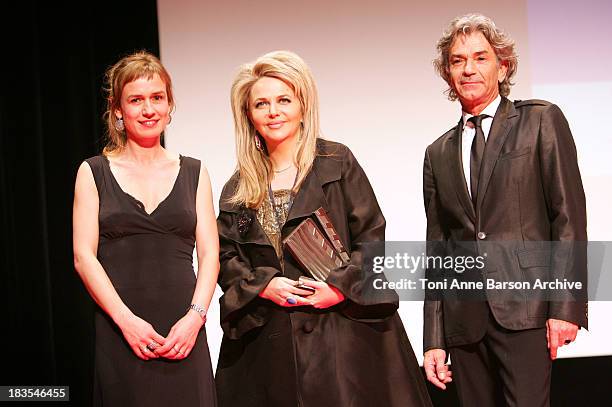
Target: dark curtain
x,y
53,62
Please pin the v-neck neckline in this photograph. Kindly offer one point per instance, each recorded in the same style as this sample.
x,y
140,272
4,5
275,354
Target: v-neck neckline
x,y
138,202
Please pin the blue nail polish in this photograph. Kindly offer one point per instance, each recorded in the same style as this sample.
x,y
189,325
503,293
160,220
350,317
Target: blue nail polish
x,y
291,301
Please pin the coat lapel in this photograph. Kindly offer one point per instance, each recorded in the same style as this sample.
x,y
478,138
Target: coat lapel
x,y
505,118
310,196
455,171
254,232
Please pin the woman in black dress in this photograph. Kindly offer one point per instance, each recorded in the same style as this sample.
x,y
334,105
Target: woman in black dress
x,y
138,212
283,346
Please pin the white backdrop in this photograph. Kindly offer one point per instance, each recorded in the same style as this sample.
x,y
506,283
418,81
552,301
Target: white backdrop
x,y
380,96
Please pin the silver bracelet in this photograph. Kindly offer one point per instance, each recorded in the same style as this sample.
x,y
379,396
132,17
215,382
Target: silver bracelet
x,y
201,311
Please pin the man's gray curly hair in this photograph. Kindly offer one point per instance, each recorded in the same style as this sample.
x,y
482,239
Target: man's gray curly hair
x,y
499,40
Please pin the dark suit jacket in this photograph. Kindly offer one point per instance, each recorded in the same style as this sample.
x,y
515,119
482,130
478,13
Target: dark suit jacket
x,y
529,192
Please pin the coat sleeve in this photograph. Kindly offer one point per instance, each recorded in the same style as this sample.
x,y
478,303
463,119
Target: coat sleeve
x,y
433,312
566,210
241,307
366,225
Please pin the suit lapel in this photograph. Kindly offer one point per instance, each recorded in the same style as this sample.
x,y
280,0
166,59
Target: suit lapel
x,y
505,118
456,174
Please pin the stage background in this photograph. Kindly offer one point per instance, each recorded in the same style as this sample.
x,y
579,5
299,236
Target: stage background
x,y
380,95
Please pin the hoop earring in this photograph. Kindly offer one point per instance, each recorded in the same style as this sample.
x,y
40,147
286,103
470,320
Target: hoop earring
x,y
119,125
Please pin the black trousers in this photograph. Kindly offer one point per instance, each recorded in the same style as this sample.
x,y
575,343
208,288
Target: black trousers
x,y
505,368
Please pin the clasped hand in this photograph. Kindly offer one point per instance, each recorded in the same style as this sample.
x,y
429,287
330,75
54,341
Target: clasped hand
x,y
146,343
284,292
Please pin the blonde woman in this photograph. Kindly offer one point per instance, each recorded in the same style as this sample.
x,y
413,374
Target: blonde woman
x,y
283,345
138,211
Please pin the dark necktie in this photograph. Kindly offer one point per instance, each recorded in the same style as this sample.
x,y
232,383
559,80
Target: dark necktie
x,y
476,153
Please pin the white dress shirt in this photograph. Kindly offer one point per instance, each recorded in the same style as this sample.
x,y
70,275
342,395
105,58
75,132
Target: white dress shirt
x,y
469,132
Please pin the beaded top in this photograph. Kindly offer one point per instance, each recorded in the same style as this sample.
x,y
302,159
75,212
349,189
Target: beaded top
x,y
269,220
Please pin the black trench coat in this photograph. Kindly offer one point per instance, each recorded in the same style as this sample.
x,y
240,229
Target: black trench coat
x,y
353,354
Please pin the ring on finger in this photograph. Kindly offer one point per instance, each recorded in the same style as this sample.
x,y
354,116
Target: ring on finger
x,y
567,341
291,300
152,346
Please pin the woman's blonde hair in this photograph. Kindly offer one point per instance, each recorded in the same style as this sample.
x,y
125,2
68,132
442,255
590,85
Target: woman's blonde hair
x,y
141,64
254,166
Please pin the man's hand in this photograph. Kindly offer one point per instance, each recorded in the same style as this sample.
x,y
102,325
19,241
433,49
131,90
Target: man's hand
x,y
559,333
436,369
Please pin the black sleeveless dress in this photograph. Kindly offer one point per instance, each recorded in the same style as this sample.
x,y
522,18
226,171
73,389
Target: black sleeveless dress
x,y
149,259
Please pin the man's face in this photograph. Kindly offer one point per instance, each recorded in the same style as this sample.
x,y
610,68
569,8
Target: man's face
x,y
475,71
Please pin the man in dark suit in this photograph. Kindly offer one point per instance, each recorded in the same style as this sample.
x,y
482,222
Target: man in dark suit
x,y
507,174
